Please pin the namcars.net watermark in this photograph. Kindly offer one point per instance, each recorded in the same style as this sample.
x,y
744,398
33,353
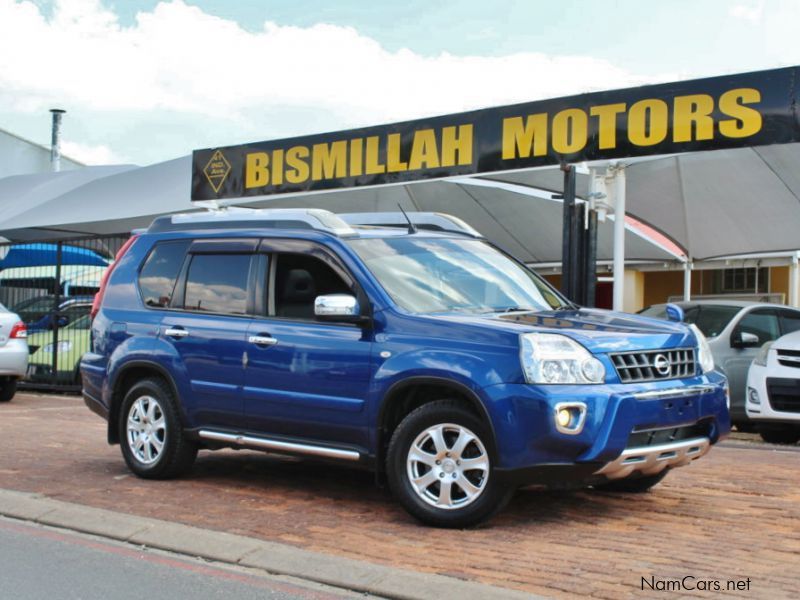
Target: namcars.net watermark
x,y
690,583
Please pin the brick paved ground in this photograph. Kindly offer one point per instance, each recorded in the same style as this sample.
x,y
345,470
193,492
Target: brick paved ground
x,y
735,514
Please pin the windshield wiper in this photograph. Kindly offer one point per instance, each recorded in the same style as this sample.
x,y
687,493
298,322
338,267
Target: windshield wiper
x,y
509,309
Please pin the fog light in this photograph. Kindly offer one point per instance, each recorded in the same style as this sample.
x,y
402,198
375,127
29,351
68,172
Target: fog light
x,y
570,417
564,417
752,395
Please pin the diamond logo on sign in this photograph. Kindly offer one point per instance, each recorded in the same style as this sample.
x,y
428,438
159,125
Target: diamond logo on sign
x,y
217,170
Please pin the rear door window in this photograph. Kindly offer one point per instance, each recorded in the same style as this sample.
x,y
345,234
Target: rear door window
x,y
158,275
217,283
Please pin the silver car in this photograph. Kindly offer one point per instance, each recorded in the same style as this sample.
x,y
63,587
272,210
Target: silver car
x,y
736,330
13,352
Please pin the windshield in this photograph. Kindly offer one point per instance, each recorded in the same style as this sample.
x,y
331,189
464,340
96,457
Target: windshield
x,y
429,275
711,319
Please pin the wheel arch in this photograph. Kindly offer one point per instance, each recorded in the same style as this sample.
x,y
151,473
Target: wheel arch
x,y
125,376
404,396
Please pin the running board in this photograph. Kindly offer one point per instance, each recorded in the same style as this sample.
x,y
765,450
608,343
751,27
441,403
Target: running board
x,y
278,445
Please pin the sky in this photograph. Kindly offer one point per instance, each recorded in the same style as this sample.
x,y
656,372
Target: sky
x,y
146,81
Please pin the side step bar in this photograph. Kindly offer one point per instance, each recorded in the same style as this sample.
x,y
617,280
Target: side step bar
x,y
278,445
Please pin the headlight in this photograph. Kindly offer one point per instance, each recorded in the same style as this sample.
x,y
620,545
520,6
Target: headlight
x,y
63,346
554,358
705,358
761,357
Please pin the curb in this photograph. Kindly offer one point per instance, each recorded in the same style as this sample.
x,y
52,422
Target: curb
x,y
276,558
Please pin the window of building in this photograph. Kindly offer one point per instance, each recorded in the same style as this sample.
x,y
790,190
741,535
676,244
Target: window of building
x,y
739,280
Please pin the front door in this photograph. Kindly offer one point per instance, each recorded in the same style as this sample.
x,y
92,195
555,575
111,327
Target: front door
x,y
305,378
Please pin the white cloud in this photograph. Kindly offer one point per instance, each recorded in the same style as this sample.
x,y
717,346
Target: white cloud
x,y
747,12
89,154
178,58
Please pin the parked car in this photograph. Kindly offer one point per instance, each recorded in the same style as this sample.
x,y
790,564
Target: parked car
x,y
38,313
773,390
735,331
432,358
13,352
73,342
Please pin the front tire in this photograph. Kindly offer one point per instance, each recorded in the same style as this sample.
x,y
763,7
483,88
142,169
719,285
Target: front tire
x,y
440,467
8,389
779,434
636,485
150,432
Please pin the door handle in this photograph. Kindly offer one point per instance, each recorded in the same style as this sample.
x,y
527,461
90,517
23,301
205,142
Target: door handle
x,y
262,340
176,332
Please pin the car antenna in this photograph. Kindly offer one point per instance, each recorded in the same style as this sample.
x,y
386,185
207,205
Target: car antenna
x,y
411,227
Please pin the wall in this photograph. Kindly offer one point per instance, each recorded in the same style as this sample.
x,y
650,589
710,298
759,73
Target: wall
x,y
20,157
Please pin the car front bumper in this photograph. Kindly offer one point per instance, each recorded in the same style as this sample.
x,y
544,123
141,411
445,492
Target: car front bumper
x,y
767,381
627,429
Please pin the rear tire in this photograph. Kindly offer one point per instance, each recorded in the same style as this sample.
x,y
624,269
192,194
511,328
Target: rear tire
x,y
779,434
635,485
7,389
150,432
440,467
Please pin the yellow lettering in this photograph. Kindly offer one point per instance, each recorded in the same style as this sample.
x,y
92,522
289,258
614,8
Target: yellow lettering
x,y
648,121
570,131
277,167
298,166
607,123
693,112
746,121
329,161
256,172
373,166
519,137
424,151
356,157
393,162
460,145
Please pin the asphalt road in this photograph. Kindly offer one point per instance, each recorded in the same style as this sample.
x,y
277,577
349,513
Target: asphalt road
x,y
43,563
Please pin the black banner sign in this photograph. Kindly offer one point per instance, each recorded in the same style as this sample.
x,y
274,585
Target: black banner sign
x,y
751,109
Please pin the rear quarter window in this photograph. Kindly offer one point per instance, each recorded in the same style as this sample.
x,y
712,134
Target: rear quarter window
x,y
160,271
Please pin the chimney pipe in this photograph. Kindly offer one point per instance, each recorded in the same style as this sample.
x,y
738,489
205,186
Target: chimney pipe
x,y
55,143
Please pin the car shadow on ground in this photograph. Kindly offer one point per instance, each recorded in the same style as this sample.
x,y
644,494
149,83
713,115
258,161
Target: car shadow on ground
x,y
353,490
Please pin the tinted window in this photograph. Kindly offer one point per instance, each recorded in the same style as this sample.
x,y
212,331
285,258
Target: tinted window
x,y
790,321
157,279
218,283
711,319
763,323
299,279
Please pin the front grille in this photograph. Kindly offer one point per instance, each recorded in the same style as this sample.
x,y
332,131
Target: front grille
x,y
641,366
784,394
789,358
652,437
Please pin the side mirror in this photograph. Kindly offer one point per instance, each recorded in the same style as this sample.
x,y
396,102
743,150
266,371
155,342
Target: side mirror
x,y
744,339
674,313
338,307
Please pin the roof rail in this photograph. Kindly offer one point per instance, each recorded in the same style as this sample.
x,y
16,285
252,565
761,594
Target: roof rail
x,y
272,218
431,221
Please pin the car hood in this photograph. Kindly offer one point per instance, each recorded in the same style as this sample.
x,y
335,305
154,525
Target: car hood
x,y
599,331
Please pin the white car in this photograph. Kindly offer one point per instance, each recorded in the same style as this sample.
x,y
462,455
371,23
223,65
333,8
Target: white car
x,y
773,390
13,352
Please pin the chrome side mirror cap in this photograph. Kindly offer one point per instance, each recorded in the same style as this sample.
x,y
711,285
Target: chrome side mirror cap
x,y
337,306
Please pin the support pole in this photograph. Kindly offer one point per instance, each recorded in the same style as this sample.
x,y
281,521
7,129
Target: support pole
x,y
687,281
567,243
794,276
619,237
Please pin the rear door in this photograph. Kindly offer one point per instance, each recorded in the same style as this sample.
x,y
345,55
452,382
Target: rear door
x,y
305,378
208,326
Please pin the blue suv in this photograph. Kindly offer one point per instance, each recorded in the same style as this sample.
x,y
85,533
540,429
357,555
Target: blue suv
x,y
421,352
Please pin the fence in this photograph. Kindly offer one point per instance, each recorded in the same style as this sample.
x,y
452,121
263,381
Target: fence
x,y
51,285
